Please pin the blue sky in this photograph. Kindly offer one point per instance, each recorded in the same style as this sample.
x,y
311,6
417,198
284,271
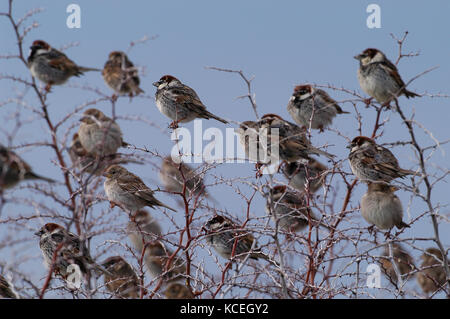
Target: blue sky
x,y
281,43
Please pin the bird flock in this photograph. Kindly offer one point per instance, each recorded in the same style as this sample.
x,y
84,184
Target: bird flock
x,y
94,147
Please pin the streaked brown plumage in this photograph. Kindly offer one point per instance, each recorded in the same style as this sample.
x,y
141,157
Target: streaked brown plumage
x,y
122,280
432,274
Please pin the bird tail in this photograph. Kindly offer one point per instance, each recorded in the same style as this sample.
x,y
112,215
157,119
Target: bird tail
x,y
158,203
209,115
409,94
320,152
85,69
402,225
405,172
31,176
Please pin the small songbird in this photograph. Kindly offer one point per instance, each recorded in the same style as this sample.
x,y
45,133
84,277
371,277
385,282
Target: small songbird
x,y
178,291
291,209
128,191
122,280
403,260
52,66
381,207
157,258
98,134
68,248
142,229
174,176
273,134
371,162
13,170
90,163
6,290
432,274
379,77
309,105
300,174
179,102
121,75
222,233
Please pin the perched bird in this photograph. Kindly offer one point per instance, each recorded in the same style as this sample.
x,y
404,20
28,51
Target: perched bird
x,y
273,134
52,66
98,134
178,291
69,249
122,280
291,209
371,162
404,262
13,170
222,234
92,164
300,174
6,290
432,274
379,77
309,105
128,191
381,207
142,229
179,102
157,258
174,176
120,74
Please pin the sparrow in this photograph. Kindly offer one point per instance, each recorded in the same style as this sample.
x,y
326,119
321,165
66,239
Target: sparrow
x,y
308,105
381,207
122,281
404,262
371,162
52,66
179,102
6,291
432,276
69,249
291,209
156,259
221,235
13,170
98,134
178,291
300,174
379,77
128,191
174,176
273,134
142,229
120,74
91,164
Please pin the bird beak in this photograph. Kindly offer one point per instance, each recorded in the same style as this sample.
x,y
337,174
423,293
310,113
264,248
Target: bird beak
x,y
33,47
156,84
107,175
358,57
38,233
349,146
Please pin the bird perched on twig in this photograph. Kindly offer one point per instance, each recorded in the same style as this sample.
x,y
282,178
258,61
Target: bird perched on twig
x,y
381,207
179,102
432,274
13,169
402,259
128,191
379,77
371,162
301,175
311,106
6,290
62,248
121,75
98,134
52,66
122,280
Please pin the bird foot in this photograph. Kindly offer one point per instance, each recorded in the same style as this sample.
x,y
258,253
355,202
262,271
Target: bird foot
x,y
112,204
114,98
259,171
48,88
173,125
387,235
370,229
367,101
